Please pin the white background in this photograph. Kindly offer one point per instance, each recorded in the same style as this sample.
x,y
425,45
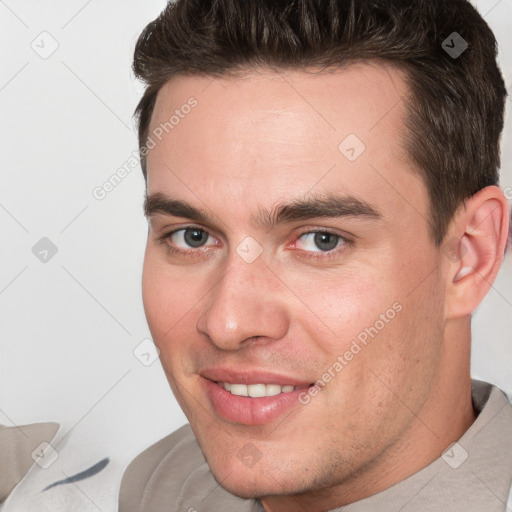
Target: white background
x,y
69,326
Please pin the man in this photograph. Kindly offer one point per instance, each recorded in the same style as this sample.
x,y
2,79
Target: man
x,y
325,216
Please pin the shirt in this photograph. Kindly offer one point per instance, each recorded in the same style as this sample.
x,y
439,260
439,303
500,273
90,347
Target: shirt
x,y
472,475
46,468
16,447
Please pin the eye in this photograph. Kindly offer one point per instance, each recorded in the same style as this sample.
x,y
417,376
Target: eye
x,y
319,241
188,238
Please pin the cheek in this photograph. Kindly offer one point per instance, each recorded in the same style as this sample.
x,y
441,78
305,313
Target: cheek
x,y
168,295
382,324
400,362
156,295
334,309
166,303
169,302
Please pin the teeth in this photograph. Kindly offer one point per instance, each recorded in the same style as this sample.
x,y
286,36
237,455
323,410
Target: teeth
x,y
256,390
272,389
239,389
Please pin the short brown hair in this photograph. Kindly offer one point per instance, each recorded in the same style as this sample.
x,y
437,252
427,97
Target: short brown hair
x,y
456,107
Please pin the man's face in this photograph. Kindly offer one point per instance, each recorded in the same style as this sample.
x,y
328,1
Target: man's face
x,y
311,262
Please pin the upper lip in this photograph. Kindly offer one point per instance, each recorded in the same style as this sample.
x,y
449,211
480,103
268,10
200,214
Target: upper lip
x,y
250,376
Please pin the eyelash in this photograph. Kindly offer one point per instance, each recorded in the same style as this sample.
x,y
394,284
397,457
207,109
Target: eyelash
x,y
344,243
191,253
314,255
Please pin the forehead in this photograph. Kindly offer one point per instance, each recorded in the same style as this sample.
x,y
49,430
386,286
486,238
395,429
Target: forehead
x,y
267,135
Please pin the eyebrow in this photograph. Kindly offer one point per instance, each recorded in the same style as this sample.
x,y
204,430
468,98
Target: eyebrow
x,y
325,206
160,203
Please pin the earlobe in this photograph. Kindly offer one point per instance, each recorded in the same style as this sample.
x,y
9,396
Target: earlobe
x,y
483,230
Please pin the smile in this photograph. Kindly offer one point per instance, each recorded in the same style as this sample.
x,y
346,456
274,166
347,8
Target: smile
x,y
252,403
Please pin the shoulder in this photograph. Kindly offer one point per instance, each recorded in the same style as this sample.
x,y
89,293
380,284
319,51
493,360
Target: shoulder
x,y
161,470
173,474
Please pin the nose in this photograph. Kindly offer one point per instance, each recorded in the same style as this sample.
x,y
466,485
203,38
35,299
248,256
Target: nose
x,y
246,304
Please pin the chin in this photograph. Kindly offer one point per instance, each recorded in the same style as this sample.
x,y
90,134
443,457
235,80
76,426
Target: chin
x,y
248,488
252,483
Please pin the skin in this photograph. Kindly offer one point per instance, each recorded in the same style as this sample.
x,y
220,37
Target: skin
x,y
265,139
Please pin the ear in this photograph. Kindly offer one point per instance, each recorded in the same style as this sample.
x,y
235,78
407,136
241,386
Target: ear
x,y
475,246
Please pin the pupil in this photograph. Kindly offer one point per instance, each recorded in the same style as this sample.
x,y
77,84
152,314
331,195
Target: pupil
x,y
325,241
194,237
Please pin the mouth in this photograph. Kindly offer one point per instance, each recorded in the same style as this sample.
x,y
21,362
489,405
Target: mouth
x,y
250,398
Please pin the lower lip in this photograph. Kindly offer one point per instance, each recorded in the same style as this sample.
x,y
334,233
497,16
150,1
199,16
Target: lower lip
x,y
247,410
